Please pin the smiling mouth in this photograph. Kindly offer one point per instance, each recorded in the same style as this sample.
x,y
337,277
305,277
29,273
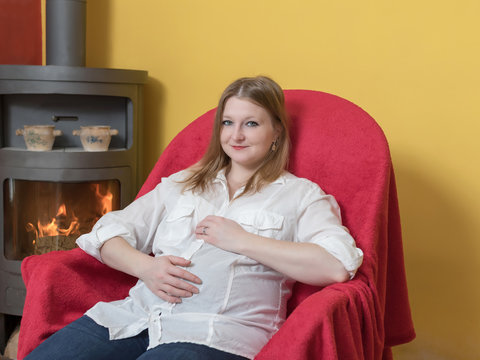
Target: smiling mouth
x,y
239,147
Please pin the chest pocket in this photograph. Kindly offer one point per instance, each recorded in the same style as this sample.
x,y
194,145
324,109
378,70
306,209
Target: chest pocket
x,y
177,231
179,224
262,223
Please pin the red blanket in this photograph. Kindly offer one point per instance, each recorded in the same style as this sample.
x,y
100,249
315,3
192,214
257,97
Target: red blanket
x,y
335,144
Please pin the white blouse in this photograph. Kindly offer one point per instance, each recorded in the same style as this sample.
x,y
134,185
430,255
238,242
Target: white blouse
x,y
241,303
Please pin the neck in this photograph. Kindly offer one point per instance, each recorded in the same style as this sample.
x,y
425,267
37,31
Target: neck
x,y
237,178
239,175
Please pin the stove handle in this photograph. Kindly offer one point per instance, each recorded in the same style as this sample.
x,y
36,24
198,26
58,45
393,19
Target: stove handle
x,y
57,118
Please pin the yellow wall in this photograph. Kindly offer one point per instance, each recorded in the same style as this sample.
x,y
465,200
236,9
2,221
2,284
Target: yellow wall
x,y
413,65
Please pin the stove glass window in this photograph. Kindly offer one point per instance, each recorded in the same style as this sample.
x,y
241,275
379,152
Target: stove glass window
x,y
42,216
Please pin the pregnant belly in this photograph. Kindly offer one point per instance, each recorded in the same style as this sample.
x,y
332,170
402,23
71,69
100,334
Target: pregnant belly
x,y
234,285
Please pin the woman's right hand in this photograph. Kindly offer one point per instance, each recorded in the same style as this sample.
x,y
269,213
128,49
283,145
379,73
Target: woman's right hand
x,y
165,277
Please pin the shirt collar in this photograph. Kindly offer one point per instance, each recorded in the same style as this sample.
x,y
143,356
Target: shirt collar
x,y
221,178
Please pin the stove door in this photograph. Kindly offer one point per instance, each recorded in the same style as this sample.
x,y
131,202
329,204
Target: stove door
x,y
43,216
47,209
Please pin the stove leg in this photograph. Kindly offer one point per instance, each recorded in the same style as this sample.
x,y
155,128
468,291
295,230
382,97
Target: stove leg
x,y
3,334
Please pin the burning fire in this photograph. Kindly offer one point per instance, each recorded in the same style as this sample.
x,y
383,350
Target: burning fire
x,y
56,226
59,226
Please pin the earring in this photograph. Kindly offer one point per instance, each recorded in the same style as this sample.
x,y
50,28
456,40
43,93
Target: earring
x,y
274,145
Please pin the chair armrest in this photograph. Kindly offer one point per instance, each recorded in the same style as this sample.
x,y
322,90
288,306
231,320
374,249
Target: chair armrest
x,y
61,286
337,322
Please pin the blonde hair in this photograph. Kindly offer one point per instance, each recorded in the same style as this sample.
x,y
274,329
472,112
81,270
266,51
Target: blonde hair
x,y
263,92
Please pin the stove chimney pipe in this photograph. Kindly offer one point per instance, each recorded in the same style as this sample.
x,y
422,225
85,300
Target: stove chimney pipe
x,y
65,32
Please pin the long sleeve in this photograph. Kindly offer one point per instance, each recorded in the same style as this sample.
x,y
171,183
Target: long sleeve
x,y
320,223
137,223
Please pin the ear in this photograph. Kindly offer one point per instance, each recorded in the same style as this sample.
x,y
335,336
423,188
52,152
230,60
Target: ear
x,y
277,130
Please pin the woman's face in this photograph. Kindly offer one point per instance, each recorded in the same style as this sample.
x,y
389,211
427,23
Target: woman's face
x,y
247,133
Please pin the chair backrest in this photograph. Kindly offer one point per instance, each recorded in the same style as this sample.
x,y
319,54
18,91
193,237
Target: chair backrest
x,y
334,143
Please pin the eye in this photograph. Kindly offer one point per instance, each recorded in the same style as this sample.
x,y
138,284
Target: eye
x,y
227,122
252,123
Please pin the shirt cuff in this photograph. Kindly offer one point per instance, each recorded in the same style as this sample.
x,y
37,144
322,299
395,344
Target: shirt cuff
x,y
350,257
94,240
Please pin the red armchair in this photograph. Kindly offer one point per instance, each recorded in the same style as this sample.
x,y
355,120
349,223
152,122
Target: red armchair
x,y
337,145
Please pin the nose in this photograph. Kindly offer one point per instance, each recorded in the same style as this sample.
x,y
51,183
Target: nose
x,y
238,134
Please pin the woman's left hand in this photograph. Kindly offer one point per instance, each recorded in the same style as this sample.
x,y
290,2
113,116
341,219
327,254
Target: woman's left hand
x,y
305,262
221,232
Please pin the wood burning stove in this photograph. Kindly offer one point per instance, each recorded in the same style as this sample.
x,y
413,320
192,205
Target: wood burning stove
x,y
49,198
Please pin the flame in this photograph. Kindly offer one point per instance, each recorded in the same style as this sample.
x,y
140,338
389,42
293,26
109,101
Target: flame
x,y
30,227
57,225
62,210
105,200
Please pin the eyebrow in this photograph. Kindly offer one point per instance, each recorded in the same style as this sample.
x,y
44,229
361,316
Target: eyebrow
x,y
247,118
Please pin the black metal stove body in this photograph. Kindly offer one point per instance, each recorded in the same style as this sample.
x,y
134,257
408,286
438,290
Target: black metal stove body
x,y
67,97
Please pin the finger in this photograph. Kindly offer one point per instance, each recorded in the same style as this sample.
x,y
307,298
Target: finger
x,y
203,225
202,231
175,290
208,221
199,230
177,260
169,298
186,275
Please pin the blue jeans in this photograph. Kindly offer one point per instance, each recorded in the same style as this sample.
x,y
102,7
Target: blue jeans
x,y
84,339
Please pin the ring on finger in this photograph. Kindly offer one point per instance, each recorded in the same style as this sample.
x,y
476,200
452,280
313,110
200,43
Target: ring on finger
x,y
204,230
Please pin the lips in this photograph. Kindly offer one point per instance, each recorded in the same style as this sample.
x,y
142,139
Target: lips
x,y
239,147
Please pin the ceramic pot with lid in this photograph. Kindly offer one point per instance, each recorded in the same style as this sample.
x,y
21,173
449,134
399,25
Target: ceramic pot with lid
x,y
95,138
39,137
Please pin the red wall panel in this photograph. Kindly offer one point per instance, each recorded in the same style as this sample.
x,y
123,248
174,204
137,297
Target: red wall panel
x,y
20,32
